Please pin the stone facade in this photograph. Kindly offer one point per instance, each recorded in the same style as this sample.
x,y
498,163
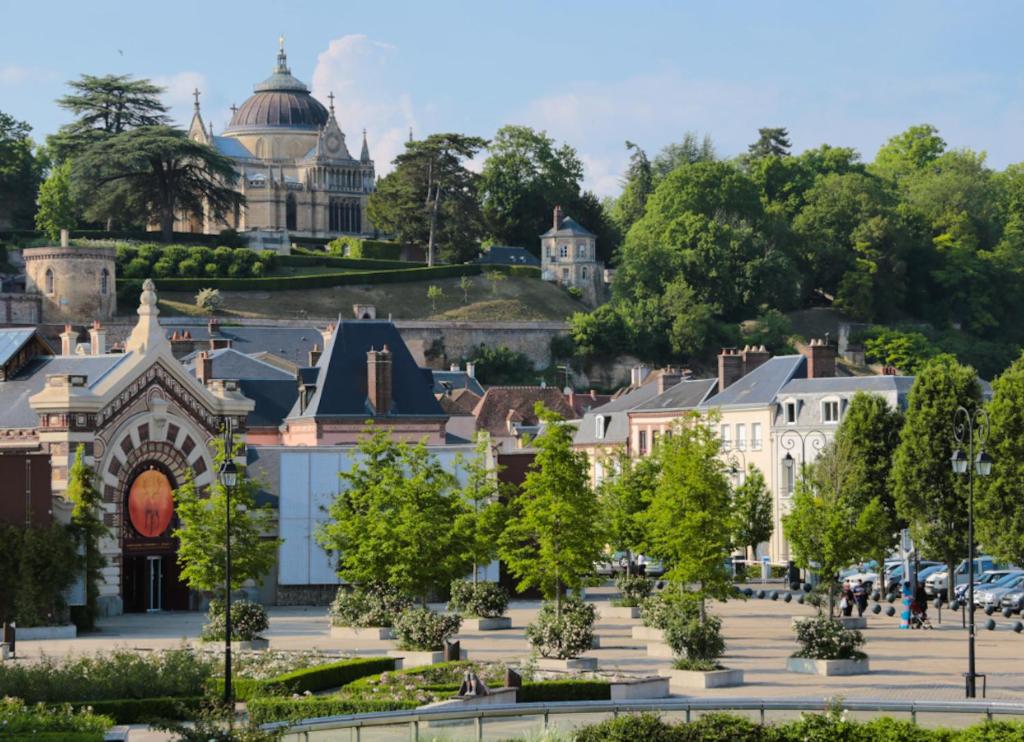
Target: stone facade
x,y
21,309
569,258
75,284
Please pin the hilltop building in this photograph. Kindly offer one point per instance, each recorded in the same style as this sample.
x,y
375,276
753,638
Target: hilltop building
x,y
569,257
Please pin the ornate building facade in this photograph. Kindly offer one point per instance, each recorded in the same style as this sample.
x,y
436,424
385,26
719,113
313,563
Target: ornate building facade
x,y
295,168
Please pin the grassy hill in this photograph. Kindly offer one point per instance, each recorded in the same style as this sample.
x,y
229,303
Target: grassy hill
x,y
516,298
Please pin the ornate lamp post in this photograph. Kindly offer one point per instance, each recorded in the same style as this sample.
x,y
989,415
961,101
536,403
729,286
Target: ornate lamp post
x,y
228,478
788,440
968,429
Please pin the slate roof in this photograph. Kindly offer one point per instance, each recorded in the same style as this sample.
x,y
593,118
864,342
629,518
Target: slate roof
x,y
15,411
507,255
13,339
500,404
445,381
568,227
762,385
228,363
274,399
232,148
291,343
461,402
686,395
341,386
841,384
616,413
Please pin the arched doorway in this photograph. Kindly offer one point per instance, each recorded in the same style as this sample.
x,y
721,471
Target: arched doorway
x,y
150,573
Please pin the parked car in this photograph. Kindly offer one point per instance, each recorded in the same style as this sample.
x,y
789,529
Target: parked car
x,y
866,573
1014,600
992,595
894,578
617,562
937,582
986,580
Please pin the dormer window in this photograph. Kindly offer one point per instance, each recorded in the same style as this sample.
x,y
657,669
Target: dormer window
x,y
599,423
789,409
830,411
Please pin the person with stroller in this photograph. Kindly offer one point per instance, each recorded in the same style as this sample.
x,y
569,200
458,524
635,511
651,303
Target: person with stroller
x,y
919,609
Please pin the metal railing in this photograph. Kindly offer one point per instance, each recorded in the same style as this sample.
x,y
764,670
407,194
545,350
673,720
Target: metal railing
x,y
477,716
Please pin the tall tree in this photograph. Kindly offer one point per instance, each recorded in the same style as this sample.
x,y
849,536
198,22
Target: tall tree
x,y
394,521
908,152
552,538
162,172
771,141
88,527
689,151
483,517
637,186
430,198
202,531
928,495
753,514
19,173
689,524
57,207
623,496
525,176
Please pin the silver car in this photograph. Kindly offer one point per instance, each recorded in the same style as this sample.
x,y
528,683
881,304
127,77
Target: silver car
x,y
993,595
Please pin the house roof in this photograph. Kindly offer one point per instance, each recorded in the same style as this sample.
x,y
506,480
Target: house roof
x,y
446,381
584,402
228,363
274,399
15,410
13,339
568,227
341,383
460,402
847,384
685,395
502,406
291,343
616,413
507,255
760,386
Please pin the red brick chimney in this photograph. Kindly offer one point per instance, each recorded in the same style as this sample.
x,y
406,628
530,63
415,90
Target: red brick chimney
x,y
204,367
378,380
821,359
730,367
669,378
754,356
558,217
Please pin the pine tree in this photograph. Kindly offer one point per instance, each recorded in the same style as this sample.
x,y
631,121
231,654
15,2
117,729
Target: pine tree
x,y
88,528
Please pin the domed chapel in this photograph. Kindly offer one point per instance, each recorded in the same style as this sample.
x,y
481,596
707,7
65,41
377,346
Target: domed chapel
x,y
295,168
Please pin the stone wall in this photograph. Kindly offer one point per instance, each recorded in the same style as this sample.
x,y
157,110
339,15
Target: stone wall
x,y
437,344
21,309
78,291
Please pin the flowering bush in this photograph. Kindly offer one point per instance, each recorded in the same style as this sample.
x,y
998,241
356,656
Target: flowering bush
x,y
248,620
634,589
484,599
824,638
565,637
271,663
660,608
693,639
372,605
18,721
422,630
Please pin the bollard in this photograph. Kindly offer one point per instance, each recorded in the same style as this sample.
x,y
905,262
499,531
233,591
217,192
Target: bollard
x,y
760,594
890,611
876,594
1018,627
990,624
452,652
876,609
1007,612
10,634
774,595
989,610
800,599
787,597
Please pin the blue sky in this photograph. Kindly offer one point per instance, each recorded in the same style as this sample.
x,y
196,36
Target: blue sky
x,y
591,73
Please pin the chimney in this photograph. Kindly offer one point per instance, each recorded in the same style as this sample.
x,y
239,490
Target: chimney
x,y
314,355
98,339
378,380
68,338
216,343
821,359
328,333
454,367
558,217
471,370
730,367
668,379
754,356
65,238
213,326
204,367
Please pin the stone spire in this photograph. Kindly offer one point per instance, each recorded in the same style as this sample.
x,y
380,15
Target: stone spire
x,y
147,335
330,96
364,156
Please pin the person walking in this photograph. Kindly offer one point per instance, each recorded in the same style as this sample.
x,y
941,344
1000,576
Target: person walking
x,y
846,600
860,597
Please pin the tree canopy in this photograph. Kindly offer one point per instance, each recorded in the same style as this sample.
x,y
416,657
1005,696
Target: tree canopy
x,y
20,173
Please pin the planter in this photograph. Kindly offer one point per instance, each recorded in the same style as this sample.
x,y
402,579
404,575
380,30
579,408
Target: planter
x,y
648,634
486,624
406,659
655,687
5,651
827,667
553,664
854,622
377,633
659,649
251,645
617,611
709,679
36,633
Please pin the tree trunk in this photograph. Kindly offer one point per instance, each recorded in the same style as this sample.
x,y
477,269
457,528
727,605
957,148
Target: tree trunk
x,y
433,226
558,599
110,224
951,582
831,596
167,225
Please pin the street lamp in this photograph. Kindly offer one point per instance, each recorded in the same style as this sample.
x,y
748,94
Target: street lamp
x,y
228,478
967,430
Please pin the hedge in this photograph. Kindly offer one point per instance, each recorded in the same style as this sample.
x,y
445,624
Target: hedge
x,y
143,710
312,679
265,710
552,691
59,736
301,259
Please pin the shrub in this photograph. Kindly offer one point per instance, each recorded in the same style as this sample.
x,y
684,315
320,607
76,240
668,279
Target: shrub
x,y
372,605
142,710
575,292
824,638
40,563
555,691
209,300
266,710
422,630
216,723
344,246
20,721
634,589
137,268
648,727
311,679
660,608
230,238
483,599
694,639
248,620
565,637
685,663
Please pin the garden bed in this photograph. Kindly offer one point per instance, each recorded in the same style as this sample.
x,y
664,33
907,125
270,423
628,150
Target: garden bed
x,y
724,678
810,666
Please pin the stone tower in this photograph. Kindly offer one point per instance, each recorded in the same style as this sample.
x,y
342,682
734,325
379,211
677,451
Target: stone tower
x,y
76,284
569,257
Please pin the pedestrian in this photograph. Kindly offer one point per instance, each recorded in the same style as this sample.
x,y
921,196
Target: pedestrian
x,y
846,600
641,565
860,597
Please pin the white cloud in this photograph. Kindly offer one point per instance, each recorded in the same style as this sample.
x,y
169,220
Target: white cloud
x,y
14,74
359,71
178,94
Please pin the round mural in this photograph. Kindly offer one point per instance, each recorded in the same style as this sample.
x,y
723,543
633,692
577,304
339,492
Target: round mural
x,y
150,503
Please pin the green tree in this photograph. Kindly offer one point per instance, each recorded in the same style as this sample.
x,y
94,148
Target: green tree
x,y
1000,516
57,208
430,197
771,142
434,293
483,517
202,531
47,566
908,152
162,172
394,520
928,495
623,496
501,366
552,538
465,284
637,186
19,173
689,523
688,151
905,350
526,174
89,529
753,515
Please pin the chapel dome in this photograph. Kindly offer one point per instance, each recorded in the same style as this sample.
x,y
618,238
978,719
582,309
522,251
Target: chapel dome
x,y
280,101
